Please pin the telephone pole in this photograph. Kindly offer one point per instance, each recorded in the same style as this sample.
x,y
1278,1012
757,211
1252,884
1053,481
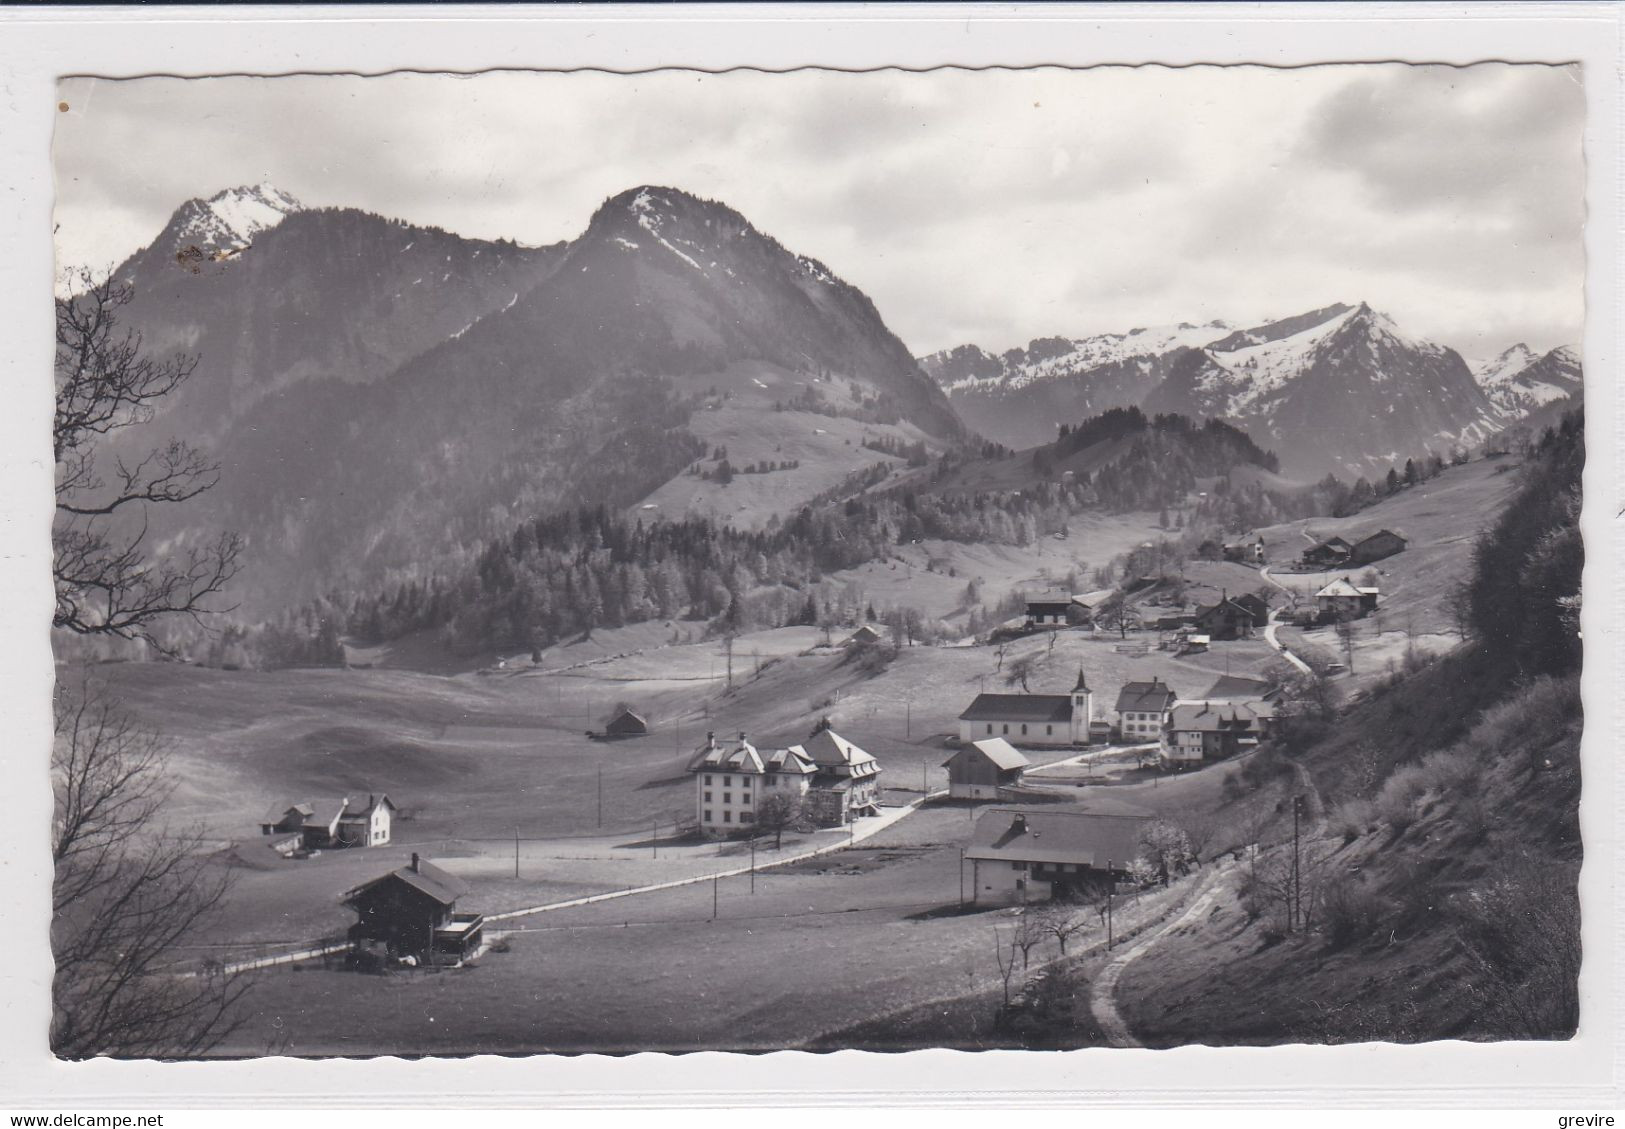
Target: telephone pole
x,y
654,838
516,852
1297,885
713,898
1111,886
753,864
600,795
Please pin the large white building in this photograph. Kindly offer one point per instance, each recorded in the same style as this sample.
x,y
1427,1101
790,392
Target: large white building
x,y
1031,719
835,781
1143,709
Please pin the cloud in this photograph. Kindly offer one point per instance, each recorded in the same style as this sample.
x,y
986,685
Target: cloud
x,y
988,206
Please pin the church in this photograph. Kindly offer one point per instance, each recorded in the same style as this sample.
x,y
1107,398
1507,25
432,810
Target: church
x,y
1031,719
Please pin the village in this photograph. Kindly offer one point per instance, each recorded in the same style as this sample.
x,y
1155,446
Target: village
x,y
1115,717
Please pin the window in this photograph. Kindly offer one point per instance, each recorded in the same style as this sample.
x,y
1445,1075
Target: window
x,y
745,799
990,727
727,817
727,797
727,781
746,817
770,781
1024,729
744,782
708,797
1015,866
1006,728
708,780
1049,730
708,815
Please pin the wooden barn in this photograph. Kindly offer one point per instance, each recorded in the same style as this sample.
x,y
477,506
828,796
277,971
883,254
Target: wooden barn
x,y
979,770
1380,545
1330,553
412,911
627,724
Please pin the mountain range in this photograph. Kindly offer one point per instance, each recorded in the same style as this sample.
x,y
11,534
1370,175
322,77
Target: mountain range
x,y
1340,389
381,396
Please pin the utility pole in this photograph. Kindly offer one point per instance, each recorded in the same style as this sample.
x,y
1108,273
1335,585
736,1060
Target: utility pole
x,y
600,795
961,877
654,837
908,719
1297,881
1111,886
713,898
753,864
516,852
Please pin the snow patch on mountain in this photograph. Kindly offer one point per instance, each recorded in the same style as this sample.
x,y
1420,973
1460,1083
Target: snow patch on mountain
x,y
230,220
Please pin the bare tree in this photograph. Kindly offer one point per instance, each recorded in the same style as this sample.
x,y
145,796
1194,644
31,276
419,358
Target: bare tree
x,y
1006,960
1029,931
1021,670
1346,632
127,892
106,582
1062,922
778,811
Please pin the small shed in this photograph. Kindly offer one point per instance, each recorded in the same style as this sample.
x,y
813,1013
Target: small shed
x,y
980,769
626,723
864,634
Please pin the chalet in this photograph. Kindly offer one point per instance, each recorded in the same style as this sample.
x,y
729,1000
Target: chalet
x,y
1224,620
1048,609
1256,604
1142,709
979,770
1343,599
1090,602
863,635
626,724
412,911
323,824
1030,855
1245,552
1380,545
1205,731
1237,688
1330,553
834,780
1031,719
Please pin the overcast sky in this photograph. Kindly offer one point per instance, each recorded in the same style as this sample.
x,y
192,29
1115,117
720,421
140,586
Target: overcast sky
x,y
987,207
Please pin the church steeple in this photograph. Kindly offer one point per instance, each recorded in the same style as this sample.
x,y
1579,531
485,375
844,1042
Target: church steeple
x,y
1082,686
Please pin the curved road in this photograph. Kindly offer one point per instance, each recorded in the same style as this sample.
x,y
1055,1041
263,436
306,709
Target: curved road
x,y
1269,629
1103,995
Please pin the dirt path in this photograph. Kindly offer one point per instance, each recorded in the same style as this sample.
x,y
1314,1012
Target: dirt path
x,y
1103,994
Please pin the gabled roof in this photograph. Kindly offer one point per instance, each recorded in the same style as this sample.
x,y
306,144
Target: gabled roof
x,y
358,809
1235,686
736,756
426,878
1019,707
1060,598
1095,598
1151,696
1340,587
1381,532
1333,542
627,719
999,751
325,813
1089,838
828,749
279,813
864,634
793,761
1214,717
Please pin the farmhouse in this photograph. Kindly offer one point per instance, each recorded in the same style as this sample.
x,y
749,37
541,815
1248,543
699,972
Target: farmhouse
x,y
1205,731
1330,553
412,911
1031,719
1246,552
322,824
626,724
1030,855
980,769
1343,599
1142,709
834,779
1380,545
1048,609
1256,604
1225,620
1089,603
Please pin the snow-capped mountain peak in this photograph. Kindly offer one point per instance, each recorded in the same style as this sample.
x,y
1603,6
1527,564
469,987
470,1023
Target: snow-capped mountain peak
x,y
1504,367
231,219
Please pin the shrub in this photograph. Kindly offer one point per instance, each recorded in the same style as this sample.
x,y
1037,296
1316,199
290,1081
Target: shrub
x,y
1351,819
1350,910
1398,803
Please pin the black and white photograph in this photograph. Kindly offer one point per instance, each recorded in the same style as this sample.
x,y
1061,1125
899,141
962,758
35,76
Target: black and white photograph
x,y
1002,558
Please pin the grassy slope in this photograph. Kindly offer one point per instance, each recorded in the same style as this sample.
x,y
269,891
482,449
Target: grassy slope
x,y
1233,983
